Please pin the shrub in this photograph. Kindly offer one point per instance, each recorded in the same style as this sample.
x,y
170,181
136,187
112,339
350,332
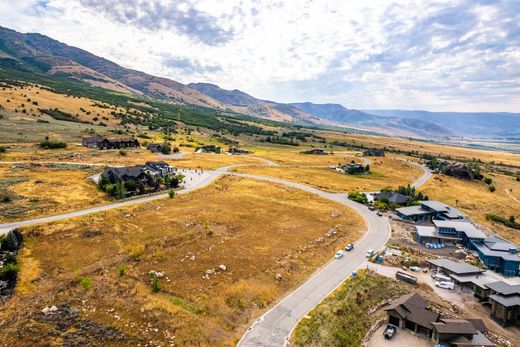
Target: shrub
x,y
156,288
3,149
166,149
52,144
5,198
491,188
85,282
12,241
9,271
121,270
171,193
488,180
122,152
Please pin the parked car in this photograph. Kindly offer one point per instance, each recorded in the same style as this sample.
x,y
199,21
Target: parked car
x,y
349,247
441,278
380,214
415,268
369,253
390,331
371,208
445,285
338,254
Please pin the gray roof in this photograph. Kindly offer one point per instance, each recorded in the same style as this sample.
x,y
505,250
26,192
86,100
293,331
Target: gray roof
x,y
504,288
507,301
454,326
413,307
450,212
412,210
457,268
427,231
496,247
477,340
461,226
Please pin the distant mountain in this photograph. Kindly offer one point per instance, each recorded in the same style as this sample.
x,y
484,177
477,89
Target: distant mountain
x,y
53,57
478,124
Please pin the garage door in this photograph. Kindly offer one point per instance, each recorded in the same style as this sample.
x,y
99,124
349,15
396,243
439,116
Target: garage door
x,y
393,320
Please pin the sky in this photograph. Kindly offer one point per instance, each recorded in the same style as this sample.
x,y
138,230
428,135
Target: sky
x,y
457,55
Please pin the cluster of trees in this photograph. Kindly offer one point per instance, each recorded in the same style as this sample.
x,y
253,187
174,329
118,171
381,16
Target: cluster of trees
x,y
358,197
121,189
508,222
9,246
52,144
280,140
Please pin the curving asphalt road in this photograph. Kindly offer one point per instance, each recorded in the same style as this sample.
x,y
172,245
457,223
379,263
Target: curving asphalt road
x,y
424,178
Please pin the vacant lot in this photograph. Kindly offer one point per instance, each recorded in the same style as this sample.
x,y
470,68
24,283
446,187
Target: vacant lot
x,y
386,172
474,198
292,156
95,268
40,190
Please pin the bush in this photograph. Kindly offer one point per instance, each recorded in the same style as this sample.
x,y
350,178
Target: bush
x,y
52,144
122,270
488,180
85,282
9,271
122,152
491,188
156,288
358,197
166,149
171,193
3,149
5,198
12,241
508,222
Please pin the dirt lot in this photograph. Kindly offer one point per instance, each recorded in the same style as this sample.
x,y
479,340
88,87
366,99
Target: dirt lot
x,y
95,269
403,338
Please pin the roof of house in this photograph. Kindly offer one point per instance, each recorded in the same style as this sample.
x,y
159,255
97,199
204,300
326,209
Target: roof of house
x,y
450,212
457,268
504,288
94,138
156,165
428,231
477,340
412,210
507,301
461,226
496,247
125,171
454,326
413,308
398,198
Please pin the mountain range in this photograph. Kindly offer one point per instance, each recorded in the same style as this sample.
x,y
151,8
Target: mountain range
x,y
36,52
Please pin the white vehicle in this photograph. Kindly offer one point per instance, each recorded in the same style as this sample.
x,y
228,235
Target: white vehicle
x,y
369,253
415,268
441,278
338,254
445,285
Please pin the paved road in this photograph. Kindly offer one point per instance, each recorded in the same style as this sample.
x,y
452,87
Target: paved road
x,y
424,178
275,327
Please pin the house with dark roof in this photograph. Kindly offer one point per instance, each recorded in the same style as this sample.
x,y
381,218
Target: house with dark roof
x,y
460,332
451,232
374,152
498,255
429,209
505,303
411,312
104,143
139,173
392,197
156,147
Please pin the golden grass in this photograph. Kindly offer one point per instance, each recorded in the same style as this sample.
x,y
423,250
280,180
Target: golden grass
x,y
23,98
256,229
46,190
474,198
291,156
387,172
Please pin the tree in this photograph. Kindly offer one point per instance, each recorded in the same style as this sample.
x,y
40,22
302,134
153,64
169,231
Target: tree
x,y
171,193
488,180
512,219
166,149
491,188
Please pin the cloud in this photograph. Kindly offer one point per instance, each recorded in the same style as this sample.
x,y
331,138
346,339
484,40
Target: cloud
x,y
437,55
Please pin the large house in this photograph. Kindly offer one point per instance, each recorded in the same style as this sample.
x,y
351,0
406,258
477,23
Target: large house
x,y
237,151
139,173
315,151
411,312
104,143
505,303
392,197
208,149
498,254
354,169
449,231
429,209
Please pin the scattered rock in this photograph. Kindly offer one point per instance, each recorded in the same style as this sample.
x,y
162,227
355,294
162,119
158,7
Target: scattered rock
x,y
222,267
278,277
210,272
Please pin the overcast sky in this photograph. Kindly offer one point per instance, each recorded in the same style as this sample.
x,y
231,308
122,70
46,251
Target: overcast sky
x,y
434,55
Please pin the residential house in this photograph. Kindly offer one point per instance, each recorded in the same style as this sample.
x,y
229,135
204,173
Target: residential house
x,y
104,143
237,151
157,147
208,149
411,312
451,267
354,169
374,152
460,333
455,232
315,151
429,209
392,197
138,173
498,254
505,303
159,168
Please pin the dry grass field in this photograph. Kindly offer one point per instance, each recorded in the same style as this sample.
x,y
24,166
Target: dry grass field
x,y
430,148
290,156
476,200
40,190
256,229
387,172
32,98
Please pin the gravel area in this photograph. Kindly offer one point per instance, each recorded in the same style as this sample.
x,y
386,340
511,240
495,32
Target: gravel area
x,y
403,338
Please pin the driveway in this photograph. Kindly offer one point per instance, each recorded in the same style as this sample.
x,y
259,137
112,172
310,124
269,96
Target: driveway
x,y
403,338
